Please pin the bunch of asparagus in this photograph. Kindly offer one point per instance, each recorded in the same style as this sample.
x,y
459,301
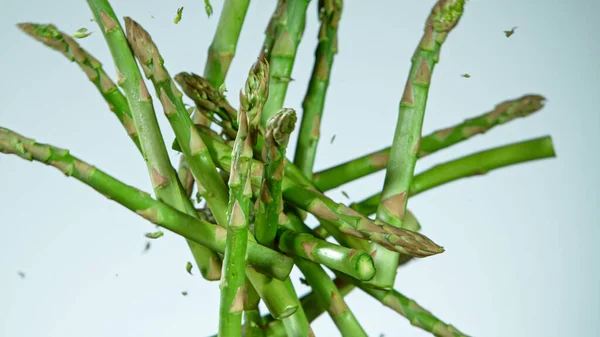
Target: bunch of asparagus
x,y
247,226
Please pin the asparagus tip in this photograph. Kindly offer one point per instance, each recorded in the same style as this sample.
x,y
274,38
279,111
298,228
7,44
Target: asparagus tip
x,y
281,125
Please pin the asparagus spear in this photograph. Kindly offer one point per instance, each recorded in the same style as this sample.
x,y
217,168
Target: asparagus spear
x,y
222,48
300,243
405,147
163,177
314,101
270,203
252,318
209,101
417,315
504,112
262,258
326,291
209,182
283,36
475,164
240,192
63,43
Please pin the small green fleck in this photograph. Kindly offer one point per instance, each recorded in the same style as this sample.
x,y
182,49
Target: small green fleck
x,y
508,33
466,75
154,235
184,293
345,194
332,139
152,16
303,281
21,274
81,33
147,248
178,16
198,198
92,20
188,268
208,8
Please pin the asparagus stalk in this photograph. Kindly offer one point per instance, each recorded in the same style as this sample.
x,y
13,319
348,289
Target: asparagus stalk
x,y
270,203
209,182
283,36
166,186
475,164
405,147
504,112
326,291
63,43
314,101
342,217
209,101
224,43
261,258
252,318
417,315
240,192
300,243
297,323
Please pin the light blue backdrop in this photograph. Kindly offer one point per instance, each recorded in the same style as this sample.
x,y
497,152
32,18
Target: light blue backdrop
x,y
521,243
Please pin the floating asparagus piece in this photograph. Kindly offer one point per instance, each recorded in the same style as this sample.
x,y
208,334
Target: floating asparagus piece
x,y
504,112
224,43
283,36
270,203
314,101
475,164
162,174
61,42
262,258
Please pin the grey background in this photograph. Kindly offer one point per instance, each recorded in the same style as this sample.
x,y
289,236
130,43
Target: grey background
x,y
521,243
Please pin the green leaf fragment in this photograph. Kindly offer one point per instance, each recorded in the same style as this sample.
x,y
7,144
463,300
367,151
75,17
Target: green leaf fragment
x,y
154,235
508,33
208,8
178,16
81,33
184,293
345,194
303,281
188,268
198,197
466,75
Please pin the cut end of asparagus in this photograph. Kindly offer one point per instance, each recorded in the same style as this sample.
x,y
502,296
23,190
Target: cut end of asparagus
x,y
446,14
281,125
365,268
